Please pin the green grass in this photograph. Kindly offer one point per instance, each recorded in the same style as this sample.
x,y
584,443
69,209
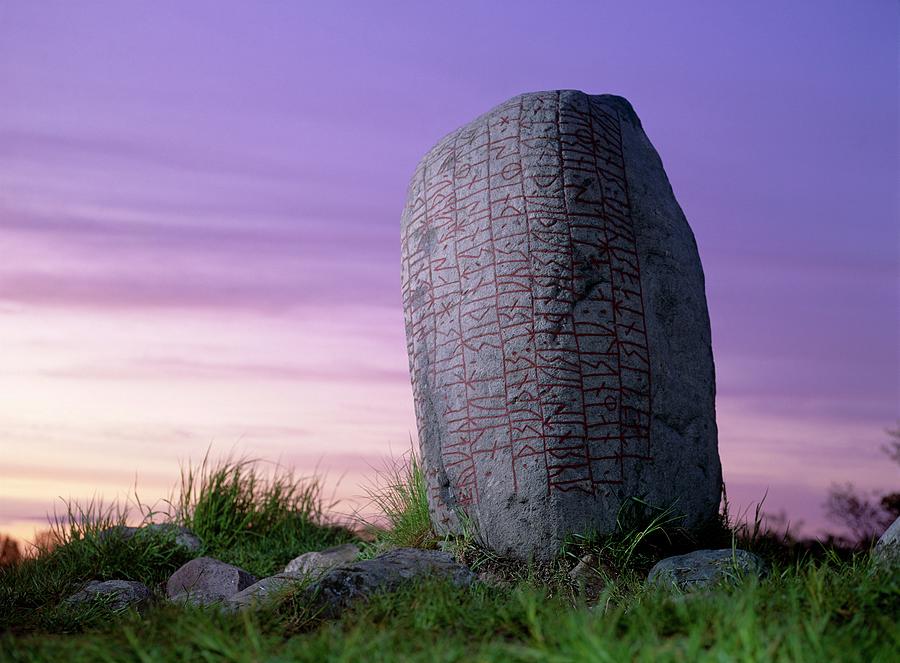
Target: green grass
x,y
244,515
820,612
254,519
818,604
399,493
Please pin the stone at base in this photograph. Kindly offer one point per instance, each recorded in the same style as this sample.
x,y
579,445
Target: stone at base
x,y
182,536
318,561
705,568
118,594
262,591
205,580
345,585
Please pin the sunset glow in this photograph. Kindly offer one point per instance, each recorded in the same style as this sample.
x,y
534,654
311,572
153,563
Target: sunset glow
x,y
199,229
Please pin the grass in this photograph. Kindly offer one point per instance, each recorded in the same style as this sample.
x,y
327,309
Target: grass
x,y
254,519
399,492
245,516
818,604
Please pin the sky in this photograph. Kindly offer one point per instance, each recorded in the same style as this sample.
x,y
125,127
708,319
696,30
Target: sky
x,y
199,225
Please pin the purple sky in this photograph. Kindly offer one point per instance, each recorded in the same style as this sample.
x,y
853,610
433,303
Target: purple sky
x,y
199,223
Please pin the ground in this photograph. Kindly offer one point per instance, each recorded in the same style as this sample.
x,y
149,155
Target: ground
x,y
819,603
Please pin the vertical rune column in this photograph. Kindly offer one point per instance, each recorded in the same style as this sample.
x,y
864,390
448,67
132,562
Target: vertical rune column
x,y
631,331
596,332
451,385
489,426
515,285
558,373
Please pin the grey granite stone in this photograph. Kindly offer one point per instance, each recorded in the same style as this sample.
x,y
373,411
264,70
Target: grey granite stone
x,y
557,327
262,591
702,569
341,587
205,580
317,562
118,594
182,536
887,549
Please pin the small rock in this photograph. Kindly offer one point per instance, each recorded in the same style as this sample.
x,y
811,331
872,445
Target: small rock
x,y
317,562
182,536
586,577
888,546
582,569
492,579
120,594
260,592
205,580
705,568
342,586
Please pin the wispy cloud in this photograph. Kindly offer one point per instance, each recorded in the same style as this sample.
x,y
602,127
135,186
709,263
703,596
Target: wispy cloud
x,y
169,368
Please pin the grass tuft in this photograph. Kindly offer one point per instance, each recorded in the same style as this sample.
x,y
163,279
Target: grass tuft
x,y
80,548
254,519
400,494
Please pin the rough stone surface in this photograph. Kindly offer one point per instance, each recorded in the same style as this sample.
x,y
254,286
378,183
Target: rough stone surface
x,y
181,535
206,580
888,546
261,591
704,568
120,594
557,327
317,562
344,585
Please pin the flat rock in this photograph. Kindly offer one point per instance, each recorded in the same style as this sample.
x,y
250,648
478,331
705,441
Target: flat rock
x,y
263,590
341,587
317,562
118,594
888,546
205,580
557,327
182,536
705,568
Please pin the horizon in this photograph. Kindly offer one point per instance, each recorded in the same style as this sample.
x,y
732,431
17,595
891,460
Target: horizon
x,y
200,211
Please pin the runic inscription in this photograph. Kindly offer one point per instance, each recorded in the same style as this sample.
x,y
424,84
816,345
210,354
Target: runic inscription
x,y
522,290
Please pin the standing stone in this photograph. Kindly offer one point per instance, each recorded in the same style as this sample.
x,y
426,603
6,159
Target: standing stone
x,y
557,327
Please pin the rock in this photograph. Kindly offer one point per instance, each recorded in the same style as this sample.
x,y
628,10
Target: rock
x,y
557,327
262,591
704,568
182,536
583,568
587,578
317,562
888,546
344,585
117,594
492,579
206,580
